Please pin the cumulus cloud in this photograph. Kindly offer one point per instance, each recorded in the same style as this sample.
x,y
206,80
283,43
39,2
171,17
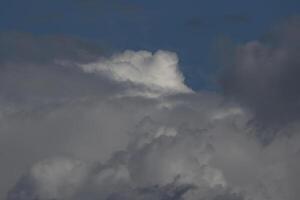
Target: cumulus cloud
x,y
219,161
127,127
157,72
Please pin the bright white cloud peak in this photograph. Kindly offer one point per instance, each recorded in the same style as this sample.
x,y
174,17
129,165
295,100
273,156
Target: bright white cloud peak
x,y
158,72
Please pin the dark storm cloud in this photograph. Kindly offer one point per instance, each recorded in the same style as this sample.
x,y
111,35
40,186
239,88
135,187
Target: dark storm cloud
x,y
264,76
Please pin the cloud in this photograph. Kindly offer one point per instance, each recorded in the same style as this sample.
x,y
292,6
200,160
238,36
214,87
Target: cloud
x,y
51,179
263,76
127,127
166,158
157,72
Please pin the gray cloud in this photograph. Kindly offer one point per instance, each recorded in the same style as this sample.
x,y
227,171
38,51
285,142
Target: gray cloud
x,y
67,132
263,76
170,157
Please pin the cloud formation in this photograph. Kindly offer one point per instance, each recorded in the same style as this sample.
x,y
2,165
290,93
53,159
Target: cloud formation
x,y
263,76
163,161
127,127
158,73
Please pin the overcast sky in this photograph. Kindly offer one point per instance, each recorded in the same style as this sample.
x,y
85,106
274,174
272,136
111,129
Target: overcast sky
x,y
149,100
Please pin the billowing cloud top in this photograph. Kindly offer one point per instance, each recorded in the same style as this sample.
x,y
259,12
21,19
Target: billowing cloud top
x,y
158,73
73,126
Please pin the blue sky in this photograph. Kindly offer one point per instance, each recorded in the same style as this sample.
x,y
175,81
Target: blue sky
x,y
191,28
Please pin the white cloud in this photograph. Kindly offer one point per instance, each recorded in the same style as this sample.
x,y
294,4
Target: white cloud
x,y
158,72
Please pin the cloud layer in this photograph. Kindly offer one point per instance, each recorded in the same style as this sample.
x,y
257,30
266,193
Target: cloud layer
x,y
92,126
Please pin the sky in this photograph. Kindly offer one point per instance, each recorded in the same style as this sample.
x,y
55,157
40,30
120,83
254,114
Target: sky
x,y
191,28
149,100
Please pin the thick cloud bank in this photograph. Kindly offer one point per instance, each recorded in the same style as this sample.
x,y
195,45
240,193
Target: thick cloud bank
x,y
264,76
81,126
